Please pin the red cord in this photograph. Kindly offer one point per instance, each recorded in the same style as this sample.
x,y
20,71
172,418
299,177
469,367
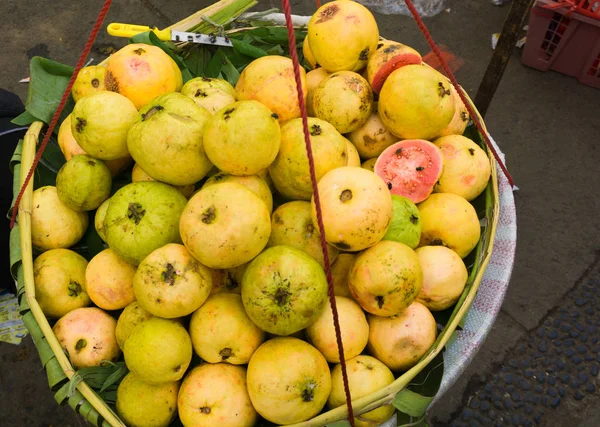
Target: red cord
x,y
318,2
313,179
459,90
61,106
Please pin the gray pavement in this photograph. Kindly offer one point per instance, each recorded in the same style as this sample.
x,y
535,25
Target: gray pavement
x,y
546,123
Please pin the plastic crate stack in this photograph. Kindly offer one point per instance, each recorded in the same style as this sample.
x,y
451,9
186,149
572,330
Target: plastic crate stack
x,y
564,36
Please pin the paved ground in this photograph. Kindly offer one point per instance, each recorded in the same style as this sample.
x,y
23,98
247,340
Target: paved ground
x,y
546,123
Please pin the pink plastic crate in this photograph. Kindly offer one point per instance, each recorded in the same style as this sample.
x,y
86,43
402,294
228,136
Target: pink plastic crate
x,y
564,40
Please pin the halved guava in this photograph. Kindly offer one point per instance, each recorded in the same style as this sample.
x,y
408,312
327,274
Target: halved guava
x,y
410,168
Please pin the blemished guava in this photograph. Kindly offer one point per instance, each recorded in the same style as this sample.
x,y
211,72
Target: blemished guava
x,y
170,283
89,80
386,278
212,94
142,217
59,279
83,183
166,140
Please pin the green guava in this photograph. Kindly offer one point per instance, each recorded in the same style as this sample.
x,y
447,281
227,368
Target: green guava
x,y
406,222
142,217
83,183
284,290
243,138
100,123
291,225
290,172
133,315
166,140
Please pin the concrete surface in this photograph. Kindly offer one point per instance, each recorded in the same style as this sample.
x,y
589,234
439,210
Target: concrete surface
x,y
546,123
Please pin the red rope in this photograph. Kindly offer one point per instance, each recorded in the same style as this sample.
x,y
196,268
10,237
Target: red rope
x,y
313,179
318,2
459,90
61,105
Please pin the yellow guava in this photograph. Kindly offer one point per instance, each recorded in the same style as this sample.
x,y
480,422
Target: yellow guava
x,y
99,219
216,395
449,220
100,123
291,225
416,102
253,182
444,277
369,164
225,225
365,375
309,58
243,138
221,331
353,156
54,224
290,172
131,316
340,270
400,341
342,35
228,280
353,327
83,183
386,278
59,279
313,79
466,167
89,80
356,206
460,120
288,380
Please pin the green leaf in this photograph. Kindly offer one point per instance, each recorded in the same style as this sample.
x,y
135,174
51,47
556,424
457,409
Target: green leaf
x,y
115,377
247,49
215,65
23,119
197,60
232,75
412,403
49,79
406,420
418,395
15,250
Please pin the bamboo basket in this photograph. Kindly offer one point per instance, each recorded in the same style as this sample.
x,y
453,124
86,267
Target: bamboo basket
x,y
77,393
